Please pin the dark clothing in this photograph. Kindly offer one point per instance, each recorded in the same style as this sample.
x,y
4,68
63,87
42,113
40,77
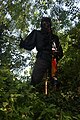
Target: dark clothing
x,y
43,43
40,68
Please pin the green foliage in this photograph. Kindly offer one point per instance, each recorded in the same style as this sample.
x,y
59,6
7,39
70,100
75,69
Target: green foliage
x,y
18,99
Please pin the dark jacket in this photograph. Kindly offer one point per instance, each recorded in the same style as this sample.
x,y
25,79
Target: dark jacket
x,y
43,43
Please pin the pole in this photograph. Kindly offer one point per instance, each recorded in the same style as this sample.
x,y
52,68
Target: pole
x,y
46,87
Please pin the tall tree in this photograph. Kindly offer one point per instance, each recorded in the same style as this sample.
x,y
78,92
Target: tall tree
x,y
21,16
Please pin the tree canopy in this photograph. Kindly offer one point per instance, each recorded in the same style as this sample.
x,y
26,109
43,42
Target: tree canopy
x,y
19,100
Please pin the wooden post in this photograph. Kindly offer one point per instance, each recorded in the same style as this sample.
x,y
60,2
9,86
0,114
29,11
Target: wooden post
x,y
46,87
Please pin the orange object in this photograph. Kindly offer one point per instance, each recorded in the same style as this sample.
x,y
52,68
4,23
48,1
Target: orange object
x,y
54,66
